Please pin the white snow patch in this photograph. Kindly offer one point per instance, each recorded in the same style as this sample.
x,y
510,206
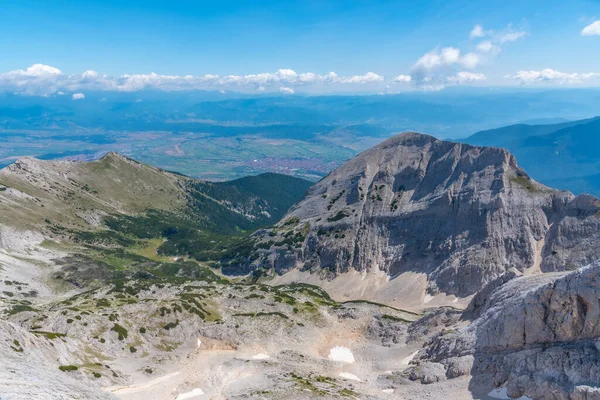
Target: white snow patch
x,y
428,298
341,354
349,376
500,393
388,390
407,360
189,395
198,343
261,356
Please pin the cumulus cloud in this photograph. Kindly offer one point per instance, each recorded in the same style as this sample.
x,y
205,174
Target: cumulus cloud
x,y
477,32
550,75
403,79
37,79
447,56
441,66
432,69
464,77
39,70
470,60
78,96
592,29
369,77
436,58
46,80
286,90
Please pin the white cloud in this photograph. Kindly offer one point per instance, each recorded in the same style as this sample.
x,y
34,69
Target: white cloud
x,y
439,67
470,60
465,77
42,79
436,58
78,96
549,75
369,77
487,47
509,35
592,29
89,74
434,66
477,32
286,90
403,79
38,79
40,70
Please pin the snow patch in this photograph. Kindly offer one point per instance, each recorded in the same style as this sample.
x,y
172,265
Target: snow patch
x,y
260,356
349,376
341,354
388,390
189,395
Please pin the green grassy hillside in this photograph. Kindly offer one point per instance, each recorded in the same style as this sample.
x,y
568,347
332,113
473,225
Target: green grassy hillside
x,y
118,218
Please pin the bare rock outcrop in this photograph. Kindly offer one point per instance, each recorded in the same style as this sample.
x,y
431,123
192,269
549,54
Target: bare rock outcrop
x,y
537,336
463,215
30,369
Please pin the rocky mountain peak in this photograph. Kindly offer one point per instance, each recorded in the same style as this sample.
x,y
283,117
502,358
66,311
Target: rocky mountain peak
x,y
28,164
113,156
459,214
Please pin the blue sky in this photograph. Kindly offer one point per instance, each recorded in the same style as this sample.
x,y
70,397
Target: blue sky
x,y
416,39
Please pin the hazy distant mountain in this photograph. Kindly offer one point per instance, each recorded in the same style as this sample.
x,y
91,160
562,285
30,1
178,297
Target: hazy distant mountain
x,y
449,114
218,136
562,155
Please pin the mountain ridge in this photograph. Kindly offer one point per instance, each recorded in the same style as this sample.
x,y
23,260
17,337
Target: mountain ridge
x,y
560,154
375,213
429,258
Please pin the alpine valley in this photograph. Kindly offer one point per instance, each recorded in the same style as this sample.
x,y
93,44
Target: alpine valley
x,y
419,269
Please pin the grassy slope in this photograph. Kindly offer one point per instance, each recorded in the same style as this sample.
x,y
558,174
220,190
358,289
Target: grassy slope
x,y
143,215
63,191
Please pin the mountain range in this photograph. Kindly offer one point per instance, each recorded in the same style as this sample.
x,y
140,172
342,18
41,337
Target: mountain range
x,y
420,268
559,155
223,136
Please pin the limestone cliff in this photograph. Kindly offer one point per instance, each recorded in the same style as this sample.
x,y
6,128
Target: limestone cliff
x,y
463,215
536,336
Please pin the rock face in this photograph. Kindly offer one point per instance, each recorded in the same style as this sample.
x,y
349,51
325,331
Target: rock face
x,y
462,215
29,369
537,336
